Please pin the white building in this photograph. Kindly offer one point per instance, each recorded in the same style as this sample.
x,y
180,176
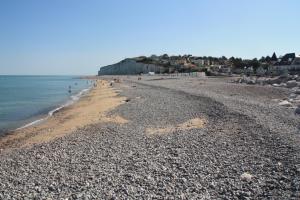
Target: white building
x,y
199,62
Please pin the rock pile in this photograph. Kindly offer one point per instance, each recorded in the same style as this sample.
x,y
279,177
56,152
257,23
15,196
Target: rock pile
x,y
292,82
247,80
288,81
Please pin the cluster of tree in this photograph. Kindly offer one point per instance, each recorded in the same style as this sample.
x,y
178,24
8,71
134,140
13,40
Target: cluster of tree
x,y
268,59
255,63
240,63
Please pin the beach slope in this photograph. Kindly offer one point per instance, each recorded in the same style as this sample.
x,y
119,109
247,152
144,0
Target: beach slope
x,y
183,138
90,109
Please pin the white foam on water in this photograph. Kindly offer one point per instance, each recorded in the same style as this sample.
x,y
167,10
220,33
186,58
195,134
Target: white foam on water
x,y
32,123
80,94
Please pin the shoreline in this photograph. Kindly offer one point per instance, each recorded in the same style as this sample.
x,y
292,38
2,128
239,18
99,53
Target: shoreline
x,y
64,119
42,116
73,99
212,136
28,100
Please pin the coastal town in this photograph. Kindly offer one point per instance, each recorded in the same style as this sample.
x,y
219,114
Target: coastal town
x,y
288,63
282,71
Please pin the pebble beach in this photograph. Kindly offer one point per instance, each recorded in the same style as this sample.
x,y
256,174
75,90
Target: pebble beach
x,y
159,138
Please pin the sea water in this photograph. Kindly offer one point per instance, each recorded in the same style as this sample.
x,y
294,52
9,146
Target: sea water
x,y
26,100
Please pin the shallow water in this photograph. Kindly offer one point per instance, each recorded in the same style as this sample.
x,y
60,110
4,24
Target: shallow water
x,y
26,98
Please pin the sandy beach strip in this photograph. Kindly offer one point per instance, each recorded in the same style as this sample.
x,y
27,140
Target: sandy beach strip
x,y
91,108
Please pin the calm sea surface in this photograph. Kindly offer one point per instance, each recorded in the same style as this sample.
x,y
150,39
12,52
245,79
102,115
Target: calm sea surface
x,y
24,99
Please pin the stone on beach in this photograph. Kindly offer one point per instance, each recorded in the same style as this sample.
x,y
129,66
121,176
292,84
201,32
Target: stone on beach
x,y
293,95
283,84
285,103
291,84
297,91
246,177
240,151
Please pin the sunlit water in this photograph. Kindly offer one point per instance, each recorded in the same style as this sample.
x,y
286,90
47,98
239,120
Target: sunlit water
x,y
24,99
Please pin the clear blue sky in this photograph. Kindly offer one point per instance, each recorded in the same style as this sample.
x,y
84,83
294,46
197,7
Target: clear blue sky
x,y
78,36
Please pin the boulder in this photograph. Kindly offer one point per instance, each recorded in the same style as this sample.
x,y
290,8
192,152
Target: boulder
x,y
246,80
291,84
296,90
283,85
285,103
295,77
260,81
251,82
293,95
276,80
267,81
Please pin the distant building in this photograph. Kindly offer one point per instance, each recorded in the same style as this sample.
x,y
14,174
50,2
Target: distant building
x,y
220,68
199,62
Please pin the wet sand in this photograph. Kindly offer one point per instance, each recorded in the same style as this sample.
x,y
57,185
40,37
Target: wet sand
x,y
91,108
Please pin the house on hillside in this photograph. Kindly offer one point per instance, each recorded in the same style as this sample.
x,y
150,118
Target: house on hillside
x,y
199,62
220,68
